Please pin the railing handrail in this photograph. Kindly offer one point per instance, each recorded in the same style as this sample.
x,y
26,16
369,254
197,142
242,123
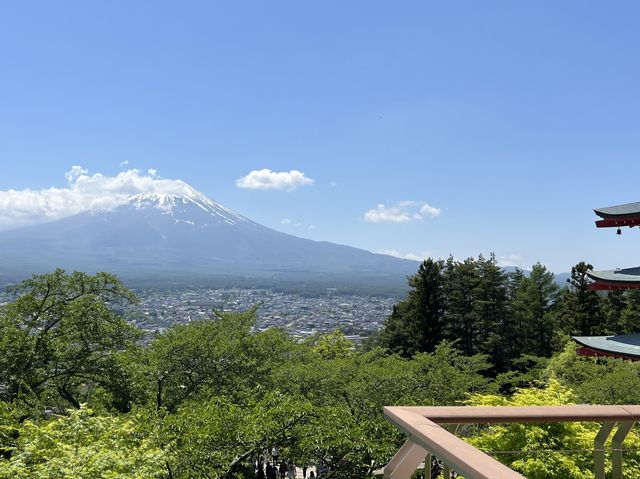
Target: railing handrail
x,y
427,437
456,453
525,414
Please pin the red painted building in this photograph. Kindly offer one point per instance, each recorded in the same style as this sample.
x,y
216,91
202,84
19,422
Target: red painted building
x,y
623,346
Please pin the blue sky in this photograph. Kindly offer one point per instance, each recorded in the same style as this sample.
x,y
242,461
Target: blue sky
x,y
512,119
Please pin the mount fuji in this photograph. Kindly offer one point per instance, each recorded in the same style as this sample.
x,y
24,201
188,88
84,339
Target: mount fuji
x,y
166,235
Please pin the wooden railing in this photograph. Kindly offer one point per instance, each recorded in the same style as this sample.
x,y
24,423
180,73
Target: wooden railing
x,y
425,437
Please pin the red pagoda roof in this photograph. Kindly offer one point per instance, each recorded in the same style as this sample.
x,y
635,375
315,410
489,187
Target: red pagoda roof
x,y
626,346
620,215
628,278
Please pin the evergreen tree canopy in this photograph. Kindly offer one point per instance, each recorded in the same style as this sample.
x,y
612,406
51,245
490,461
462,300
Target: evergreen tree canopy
x,y
581,311
533,306
415,324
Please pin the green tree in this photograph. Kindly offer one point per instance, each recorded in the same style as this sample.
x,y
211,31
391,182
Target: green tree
x,y
83,445
581,308
476,309
597,381
533,305
415,325
331,345
518,305
460,287
212,354
62,340
10,418
220,438
630,315
348,393
494,327
613,304
543,446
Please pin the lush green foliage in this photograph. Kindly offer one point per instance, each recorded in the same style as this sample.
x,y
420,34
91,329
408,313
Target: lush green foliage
x,y
597,381
82,445
80,397
61,341
512,318
479,308
202,399
554,450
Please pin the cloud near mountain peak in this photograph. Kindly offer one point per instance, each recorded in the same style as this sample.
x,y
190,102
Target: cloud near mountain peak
x,y
84,192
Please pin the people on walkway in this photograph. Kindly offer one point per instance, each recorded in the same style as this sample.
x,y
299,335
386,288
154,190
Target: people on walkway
x,y
271,472
260,470
291,470
283,469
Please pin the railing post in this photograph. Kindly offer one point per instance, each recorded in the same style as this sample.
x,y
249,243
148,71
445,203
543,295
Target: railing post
x,y
446,470
406,461
616,448
427,466
598,449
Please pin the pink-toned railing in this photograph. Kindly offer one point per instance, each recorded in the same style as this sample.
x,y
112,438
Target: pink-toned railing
x,y
425,437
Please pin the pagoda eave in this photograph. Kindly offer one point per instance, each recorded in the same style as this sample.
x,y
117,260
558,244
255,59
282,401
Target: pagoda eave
x,y
613,285
594,353
628,278
626,346
619,213
619,222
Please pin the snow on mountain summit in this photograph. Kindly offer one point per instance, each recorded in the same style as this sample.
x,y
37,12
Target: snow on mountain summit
x,y
181,201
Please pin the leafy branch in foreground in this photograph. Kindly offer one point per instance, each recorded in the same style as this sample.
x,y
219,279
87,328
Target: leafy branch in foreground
x,y
61,338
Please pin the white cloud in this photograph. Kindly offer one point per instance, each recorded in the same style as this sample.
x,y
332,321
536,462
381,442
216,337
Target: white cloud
x,y
428,210
294,224
74,173
266,179
124,163
394,214
412,256
513,260
84,193
402,212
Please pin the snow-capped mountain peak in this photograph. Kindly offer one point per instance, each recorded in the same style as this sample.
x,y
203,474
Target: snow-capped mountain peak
x,y
181,201
170,228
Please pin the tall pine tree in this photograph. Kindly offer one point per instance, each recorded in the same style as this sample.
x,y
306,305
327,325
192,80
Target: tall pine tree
x,y
581,308
533,305
415,325
460,325
494,326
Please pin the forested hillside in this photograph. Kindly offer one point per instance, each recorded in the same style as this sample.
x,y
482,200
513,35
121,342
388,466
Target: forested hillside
x,y
82,397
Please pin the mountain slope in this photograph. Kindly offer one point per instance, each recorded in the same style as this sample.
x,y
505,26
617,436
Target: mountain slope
x,y
185,232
